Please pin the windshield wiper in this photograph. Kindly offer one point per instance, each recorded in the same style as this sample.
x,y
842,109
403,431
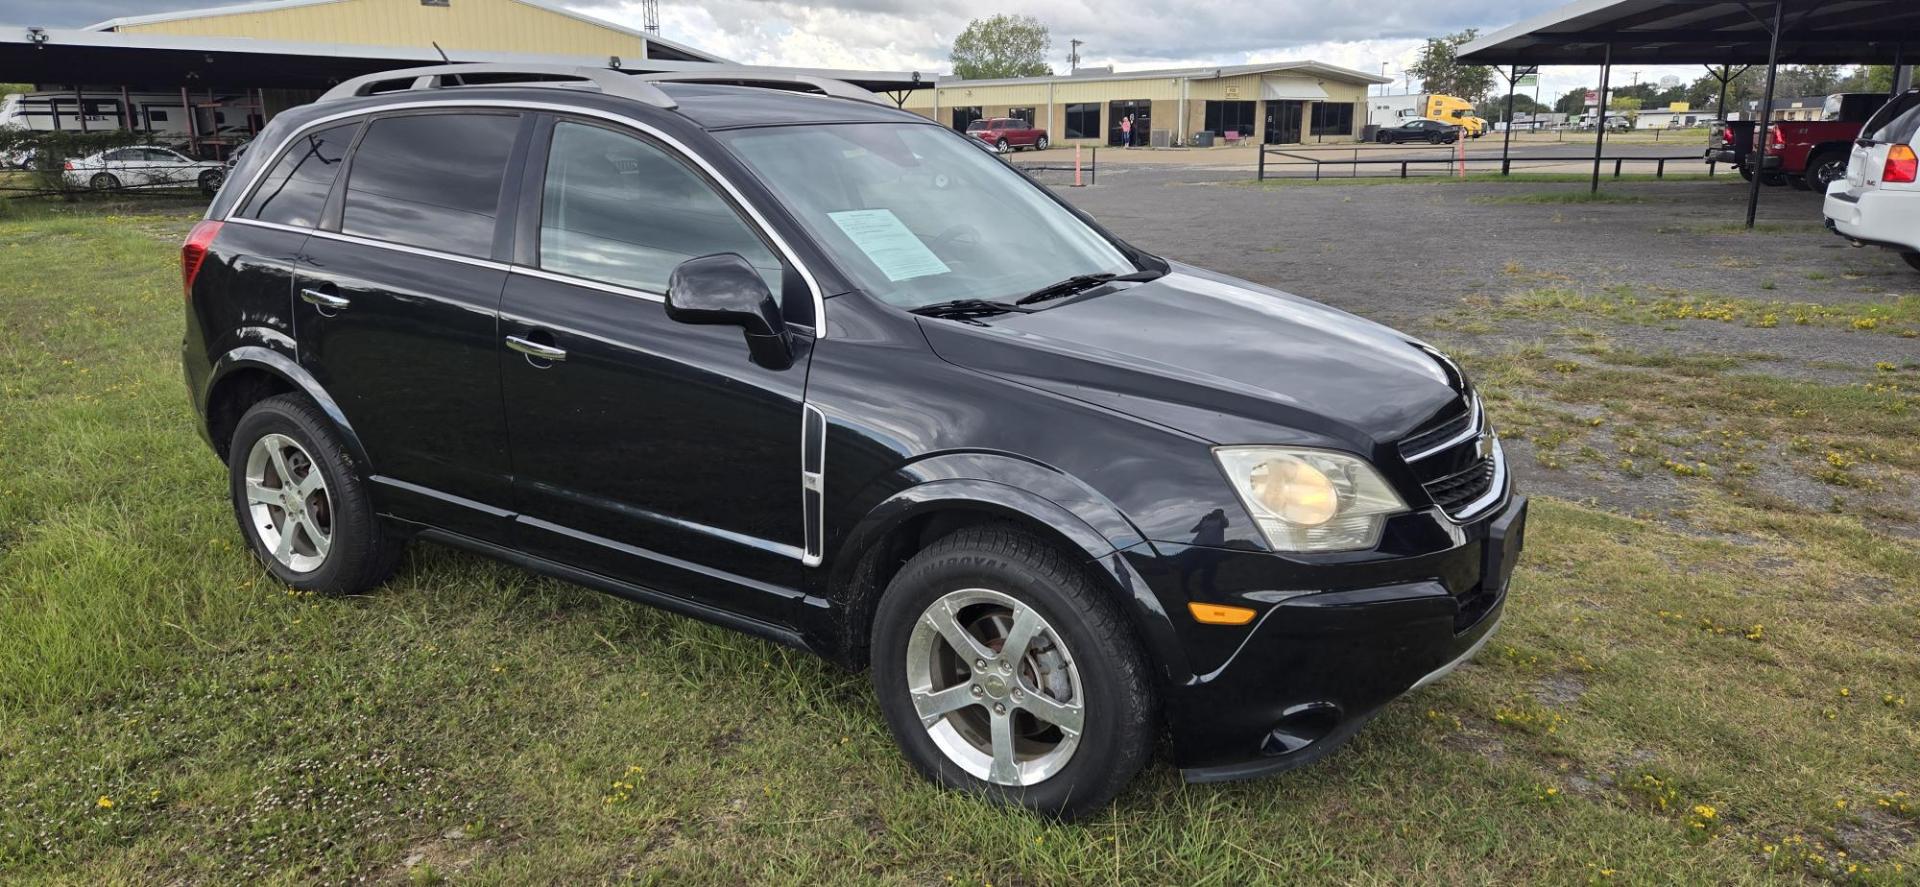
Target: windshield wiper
x,y
970,308
1080,283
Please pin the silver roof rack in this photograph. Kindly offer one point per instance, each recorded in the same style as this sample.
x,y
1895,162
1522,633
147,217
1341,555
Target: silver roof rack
x,y
730,75
607,80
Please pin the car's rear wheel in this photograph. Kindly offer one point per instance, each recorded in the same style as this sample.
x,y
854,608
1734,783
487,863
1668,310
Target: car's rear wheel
x,y
302,503
1773,179
1746,174
1002,669
1913,260
1799,183
1433,138
104,181
211,180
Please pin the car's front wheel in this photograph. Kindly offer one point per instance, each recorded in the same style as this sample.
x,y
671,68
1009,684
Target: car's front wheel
x,y
211,180
1040,144
1001,146
1002,669
302,503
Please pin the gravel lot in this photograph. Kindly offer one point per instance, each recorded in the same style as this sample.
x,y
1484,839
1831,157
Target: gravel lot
x,y
1665,280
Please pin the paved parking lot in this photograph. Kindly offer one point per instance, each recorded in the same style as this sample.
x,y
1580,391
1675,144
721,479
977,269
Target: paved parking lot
x,y
1567,307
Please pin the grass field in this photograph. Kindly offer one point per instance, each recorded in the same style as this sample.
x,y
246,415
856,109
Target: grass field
x,y
1733,700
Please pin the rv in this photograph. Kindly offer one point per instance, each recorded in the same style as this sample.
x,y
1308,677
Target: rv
x,y
157,113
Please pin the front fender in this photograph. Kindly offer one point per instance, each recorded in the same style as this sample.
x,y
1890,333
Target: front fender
x,y
269,360
1077,517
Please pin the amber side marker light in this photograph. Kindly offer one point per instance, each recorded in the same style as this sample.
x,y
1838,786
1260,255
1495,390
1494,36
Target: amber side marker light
x,y
1216,614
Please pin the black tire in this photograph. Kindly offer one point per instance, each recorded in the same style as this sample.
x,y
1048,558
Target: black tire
x,y
1119,727
1433,138
363,552
211,180
1746,174
1913,260
1773,179
1799,183
1040,144
104,181
1826,168
1000,146
1382,138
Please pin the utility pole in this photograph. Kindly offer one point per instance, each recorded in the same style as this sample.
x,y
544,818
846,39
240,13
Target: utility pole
x,y
1383,74
650,16
1073,55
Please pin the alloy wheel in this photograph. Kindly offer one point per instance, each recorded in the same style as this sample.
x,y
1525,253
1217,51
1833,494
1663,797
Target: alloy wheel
x,y
995,687
288,503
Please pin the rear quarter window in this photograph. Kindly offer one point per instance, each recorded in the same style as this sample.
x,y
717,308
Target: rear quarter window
x,y
430,180
1897,121
295,190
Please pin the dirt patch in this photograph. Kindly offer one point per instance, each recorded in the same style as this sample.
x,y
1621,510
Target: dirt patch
x,y
1559,691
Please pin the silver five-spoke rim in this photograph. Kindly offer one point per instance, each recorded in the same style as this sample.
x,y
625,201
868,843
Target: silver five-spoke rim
x,y
288,503
995,687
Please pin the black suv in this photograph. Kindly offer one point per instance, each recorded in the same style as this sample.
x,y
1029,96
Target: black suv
x,y
825,372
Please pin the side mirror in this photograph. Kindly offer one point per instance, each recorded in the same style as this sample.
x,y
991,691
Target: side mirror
x,y
725,290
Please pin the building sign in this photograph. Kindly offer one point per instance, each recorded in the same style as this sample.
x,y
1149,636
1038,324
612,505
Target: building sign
x,y
1527,82
1233,91
1593,98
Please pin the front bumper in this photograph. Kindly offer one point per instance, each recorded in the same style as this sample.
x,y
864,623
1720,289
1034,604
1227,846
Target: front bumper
x,y
1315,667
1882,218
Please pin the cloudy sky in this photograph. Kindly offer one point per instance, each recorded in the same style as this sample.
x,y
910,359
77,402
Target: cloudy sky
x,y
915,34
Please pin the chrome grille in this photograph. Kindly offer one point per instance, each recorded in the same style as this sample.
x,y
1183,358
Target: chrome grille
x,y
1455,492
1457,460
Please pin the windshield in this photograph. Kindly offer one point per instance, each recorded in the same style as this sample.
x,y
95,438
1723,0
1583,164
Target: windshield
x,y
917,215
976,126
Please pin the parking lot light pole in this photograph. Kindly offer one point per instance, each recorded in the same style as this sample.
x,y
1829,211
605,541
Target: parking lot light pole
x,y
1513,78
1759,152
1600,125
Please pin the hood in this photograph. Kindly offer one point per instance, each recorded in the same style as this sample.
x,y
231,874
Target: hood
x,y
1215,357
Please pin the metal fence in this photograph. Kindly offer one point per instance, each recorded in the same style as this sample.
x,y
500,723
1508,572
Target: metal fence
x,y
1075,172
1275,163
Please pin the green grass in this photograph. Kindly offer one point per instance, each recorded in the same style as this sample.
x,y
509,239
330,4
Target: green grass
x,y
474,720
1897,314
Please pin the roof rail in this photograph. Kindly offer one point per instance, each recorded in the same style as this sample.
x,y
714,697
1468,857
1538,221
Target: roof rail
x,y
744,76
609,81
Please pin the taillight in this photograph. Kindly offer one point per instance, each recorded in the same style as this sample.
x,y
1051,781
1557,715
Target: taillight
x,y
68,166
194,251
1902,166
1775,138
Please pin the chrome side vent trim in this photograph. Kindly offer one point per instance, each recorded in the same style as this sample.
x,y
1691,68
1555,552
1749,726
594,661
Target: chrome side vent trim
x,y
813,482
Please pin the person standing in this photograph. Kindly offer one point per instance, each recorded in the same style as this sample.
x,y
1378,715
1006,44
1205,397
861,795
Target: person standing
x,y
1126,131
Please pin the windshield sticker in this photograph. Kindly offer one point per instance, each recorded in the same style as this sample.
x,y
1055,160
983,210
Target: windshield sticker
x,y
889,244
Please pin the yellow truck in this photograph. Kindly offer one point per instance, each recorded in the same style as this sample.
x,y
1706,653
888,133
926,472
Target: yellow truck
x,y
1457,111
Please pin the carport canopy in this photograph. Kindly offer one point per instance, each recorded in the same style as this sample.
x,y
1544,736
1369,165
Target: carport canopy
x,y
1707,32
1710,32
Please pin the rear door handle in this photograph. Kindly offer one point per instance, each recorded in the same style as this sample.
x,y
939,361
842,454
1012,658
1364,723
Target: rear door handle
x,y
536,350
324,300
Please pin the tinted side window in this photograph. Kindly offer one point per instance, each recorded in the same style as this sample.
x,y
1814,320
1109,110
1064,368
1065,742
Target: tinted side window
x,y
295,189
1898,121
430,180
622,211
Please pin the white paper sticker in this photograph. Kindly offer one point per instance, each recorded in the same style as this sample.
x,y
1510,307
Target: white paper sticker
x,y
889,244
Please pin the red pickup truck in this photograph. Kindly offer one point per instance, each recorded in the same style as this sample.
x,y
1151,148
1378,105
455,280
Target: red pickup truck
x,y
1008,133
1812,154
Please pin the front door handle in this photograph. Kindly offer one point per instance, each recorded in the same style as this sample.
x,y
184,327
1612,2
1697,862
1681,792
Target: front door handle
x,y
325,300
536,350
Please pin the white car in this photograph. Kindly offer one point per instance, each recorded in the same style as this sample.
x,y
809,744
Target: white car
x,y
145,166
1879,201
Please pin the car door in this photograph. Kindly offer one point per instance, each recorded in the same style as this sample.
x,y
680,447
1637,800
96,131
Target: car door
x,y
646,450
397,311
169,168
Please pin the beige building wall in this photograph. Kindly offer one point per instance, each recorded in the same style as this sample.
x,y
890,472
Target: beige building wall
x,y
1163,94
480,25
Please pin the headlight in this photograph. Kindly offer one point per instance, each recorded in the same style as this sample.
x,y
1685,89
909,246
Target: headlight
x,y
1311,500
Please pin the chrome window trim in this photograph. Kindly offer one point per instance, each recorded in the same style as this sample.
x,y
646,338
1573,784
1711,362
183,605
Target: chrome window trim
x,y
376,244
588,283
813,286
